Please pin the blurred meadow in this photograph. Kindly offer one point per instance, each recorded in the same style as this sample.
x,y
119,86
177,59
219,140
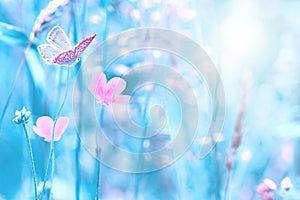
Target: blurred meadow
x,y
255,47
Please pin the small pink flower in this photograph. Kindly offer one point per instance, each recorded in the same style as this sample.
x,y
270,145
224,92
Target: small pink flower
x,y
44,127
262,188
107,92
265,189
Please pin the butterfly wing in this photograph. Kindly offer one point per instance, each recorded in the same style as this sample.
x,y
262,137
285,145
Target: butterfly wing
x,y
47,52
65,58
58,38
81,46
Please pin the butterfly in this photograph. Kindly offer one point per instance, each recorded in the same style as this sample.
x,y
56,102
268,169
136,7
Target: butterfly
x,y
59,51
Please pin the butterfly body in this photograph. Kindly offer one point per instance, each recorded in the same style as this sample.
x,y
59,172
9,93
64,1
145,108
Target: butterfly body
x,y
59,51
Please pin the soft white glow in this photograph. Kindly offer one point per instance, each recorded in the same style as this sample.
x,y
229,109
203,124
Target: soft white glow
x,y
156,54
246,155
146,144
241,35
218,137
270,184
286,183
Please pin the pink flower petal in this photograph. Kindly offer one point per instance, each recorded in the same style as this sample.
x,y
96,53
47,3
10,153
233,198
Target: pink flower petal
x,y
107,92
262,188
122,99
98,85
60,127
115,86
44,126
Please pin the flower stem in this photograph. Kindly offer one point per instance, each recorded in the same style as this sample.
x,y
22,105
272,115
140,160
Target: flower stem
x,y
52,145
227,184
32,162
98,163
77,164
14,82
77,67
98,167
47,170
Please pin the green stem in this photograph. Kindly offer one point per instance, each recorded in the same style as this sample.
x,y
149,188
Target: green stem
x,y
77,164
32,161
47,170
228,179
52,145
77,67
98,163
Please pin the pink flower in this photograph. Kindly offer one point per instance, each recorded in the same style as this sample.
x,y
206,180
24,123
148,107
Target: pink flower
x,y
107,92
262,188
44,127
265,189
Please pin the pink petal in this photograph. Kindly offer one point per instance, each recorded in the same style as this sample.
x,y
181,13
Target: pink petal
x,y
60,127
262,188
106,94
115,85
98,85
44,126
122,99
106,101
110,90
